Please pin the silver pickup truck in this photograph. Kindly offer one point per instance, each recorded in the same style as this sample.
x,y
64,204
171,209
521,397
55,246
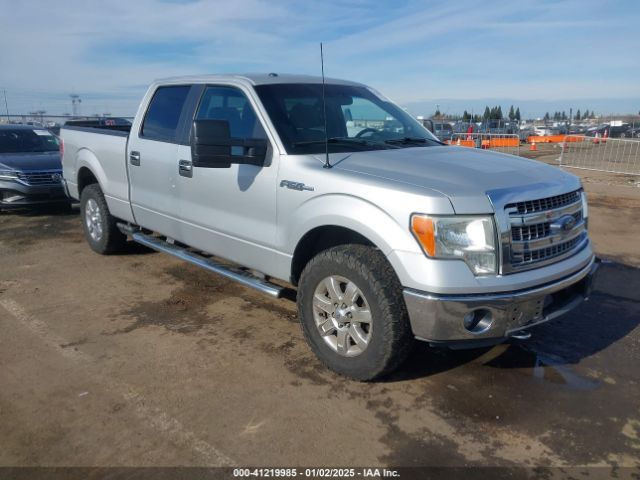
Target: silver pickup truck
x,y
387,234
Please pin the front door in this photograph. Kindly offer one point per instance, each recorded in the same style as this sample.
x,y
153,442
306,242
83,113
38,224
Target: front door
x,y
230,212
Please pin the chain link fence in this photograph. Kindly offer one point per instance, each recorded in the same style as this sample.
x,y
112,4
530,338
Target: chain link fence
x,y
613,155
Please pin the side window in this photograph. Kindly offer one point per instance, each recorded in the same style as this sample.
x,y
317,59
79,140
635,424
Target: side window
x,y
163,114
230,104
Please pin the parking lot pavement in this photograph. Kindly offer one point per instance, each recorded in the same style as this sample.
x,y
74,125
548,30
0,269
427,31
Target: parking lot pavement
x,y
140,360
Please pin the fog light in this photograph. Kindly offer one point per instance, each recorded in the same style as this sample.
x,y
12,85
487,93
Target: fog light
x,y
477,321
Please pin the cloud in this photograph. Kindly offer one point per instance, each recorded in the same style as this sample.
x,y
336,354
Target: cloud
x,y
413,50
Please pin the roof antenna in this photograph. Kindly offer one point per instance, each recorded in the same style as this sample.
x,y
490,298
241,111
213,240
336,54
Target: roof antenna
x,y
324,108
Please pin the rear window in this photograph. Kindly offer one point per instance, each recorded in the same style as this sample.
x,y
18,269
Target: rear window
x,y
27,141
163,115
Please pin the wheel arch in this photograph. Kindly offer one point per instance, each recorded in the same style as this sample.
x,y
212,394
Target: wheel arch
x,y
331,220
319,239
85,178
89,170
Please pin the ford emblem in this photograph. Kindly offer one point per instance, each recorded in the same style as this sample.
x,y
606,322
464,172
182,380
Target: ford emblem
x,y
563,224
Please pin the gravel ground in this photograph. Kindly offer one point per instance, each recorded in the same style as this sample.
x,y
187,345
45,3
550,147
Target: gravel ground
x,y
141,360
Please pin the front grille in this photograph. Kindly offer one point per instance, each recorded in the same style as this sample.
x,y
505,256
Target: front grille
x,y
547,252
544,204
544,231
43,177
530,232
536,231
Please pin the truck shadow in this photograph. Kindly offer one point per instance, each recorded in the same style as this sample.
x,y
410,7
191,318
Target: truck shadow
x,y
56,210
609,316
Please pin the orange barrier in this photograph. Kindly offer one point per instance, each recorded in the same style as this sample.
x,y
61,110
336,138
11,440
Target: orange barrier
x,y
462,143
554,139
504,142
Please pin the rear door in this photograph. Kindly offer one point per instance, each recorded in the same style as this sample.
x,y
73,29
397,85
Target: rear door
x,y
151,161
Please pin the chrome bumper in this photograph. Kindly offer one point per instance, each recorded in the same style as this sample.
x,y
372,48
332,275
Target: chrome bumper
x,y
439,318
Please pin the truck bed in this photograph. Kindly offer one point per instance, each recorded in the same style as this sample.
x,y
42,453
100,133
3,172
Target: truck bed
x,y
102,151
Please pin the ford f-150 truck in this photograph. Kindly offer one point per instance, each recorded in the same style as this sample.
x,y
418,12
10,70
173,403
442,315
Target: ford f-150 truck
x,y
387,234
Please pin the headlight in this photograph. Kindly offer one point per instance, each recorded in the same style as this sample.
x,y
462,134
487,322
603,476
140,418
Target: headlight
x,y
471,239
8,175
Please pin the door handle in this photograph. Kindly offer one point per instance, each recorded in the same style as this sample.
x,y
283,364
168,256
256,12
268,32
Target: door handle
x,y
134,158
185,168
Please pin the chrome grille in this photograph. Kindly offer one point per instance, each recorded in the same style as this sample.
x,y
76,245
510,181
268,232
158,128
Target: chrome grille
x,y
544,204
549,252
544,231
538,230
42,177
530,232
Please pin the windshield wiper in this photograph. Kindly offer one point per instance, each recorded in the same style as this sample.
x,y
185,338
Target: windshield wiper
x,y
349,141
346,141
406,140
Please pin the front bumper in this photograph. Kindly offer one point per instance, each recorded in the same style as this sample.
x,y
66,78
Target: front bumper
x,y
17,195
439,318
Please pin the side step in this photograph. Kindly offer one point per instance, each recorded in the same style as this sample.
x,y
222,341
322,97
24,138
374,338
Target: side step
x,y
240,276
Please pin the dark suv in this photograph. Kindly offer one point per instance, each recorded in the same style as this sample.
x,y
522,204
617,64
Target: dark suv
x,y
30,167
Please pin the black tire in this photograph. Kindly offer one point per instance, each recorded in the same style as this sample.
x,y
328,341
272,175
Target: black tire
x,y
390,340
111,240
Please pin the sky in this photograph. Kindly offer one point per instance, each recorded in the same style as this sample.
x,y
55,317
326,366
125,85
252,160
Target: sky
x,y
539,54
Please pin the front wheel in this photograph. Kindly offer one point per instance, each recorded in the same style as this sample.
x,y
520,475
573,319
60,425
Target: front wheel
x,y
352,312
100,228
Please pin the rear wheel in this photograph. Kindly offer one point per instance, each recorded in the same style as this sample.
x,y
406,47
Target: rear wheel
x,y
99,225
352,312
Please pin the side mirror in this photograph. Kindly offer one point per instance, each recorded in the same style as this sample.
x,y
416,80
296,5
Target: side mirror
x,y
213,147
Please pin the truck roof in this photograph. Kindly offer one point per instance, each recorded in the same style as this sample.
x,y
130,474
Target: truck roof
x,y
254,79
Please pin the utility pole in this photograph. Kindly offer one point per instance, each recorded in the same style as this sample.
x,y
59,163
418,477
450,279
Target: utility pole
x,y
6,106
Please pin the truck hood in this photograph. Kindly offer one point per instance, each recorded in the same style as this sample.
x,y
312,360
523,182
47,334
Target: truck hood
x,y
464,175
25,162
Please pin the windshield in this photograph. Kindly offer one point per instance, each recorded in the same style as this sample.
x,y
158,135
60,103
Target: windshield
x,y
356,119
27,140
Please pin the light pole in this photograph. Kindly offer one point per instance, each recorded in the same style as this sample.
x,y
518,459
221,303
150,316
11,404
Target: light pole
x,y
6,106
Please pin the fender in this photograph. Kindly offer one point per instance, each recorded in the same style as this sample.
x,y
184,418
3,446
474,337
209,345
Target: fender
x,y
350,212
115,193
87,159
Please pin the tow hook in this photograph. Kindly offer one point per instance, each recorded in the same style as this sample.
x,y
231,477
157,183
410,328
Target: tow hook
x,y
521,335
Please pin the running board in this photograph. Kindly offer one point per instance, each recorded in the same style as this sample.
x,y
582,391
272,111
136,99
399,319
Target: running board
x,y
241,277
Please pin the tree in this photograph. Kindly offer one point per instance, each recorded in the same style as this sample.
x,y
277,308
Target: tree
x,y
437,114
547,117
512,113
564,115
487,113
578,114
517,114
586,114
499,113
466,117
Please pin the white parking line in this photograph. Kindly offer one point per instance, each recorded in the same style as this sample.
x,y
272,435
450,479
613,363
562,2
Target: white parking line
x,y
152,416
